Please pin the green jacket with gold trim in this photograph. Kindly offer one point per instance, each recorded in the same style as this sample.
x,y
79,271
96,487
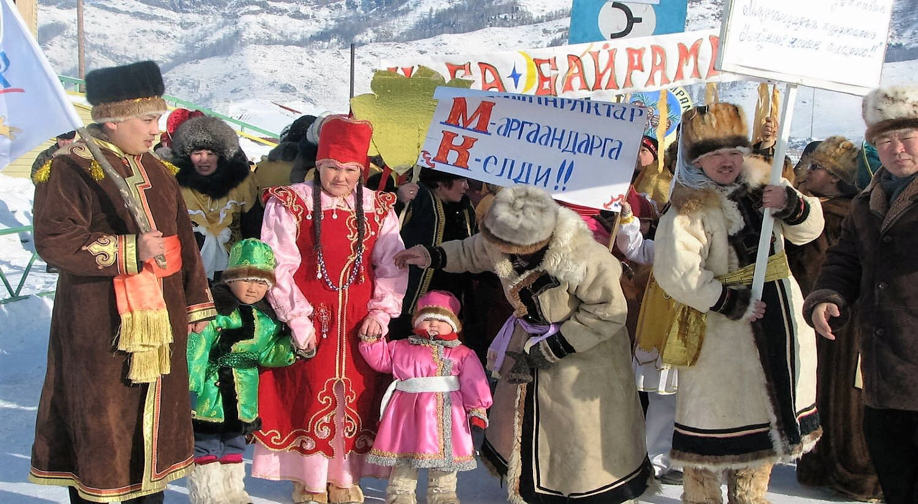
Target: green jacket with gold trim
x,y
223,362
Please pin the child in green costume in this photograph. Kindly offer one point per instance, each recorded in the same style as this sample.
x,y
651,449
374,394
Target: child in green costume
x,y
223,363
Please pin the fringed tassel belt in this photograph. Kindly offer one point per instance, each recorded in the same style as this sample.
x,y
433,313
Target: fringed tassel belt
x,y
146,330
677,330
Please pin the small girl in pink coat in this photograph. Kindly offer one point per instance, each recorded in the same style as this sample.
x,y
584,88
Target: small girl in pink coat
x,y
440,388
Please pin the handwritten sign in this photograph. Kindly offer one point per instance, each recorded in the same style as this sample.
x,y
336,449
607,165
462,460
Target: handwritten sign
x,y
581,151
593,20
829,44
599,70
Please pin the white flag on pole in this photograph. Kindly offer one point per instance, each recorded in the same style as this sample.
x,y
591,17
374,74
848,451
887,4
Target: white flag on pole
x,y
33,104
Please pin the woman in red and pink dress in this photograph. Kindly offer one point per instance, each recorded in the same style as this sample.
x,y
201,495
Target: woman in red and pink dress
x,y
336,281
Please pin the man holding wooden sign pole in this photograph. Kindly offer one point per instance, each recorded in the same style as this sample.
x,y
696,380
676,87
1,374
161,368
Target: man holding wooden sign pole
x,y
827,44
747,364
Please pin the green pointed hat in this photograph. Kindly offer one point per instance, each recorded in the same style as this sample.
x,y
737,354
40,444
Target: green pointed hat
x,y
250,259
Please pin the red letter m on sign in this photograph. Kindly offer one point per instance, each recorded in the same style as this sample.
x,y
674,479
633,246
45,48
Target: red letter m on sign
x,y
459,115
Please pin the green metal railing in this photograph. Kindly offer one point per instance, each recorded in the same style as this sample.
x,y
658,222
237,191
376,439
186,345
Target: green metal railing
x,y
16,294
178,102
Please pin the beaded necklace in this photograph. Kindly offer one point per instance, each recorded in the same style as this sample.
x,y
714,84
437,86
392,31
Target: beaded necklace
x,y
322,273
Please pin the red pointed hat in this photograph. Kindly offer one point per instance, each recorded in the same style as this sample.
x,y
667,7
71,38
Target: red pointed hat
x,y
344,141
438,305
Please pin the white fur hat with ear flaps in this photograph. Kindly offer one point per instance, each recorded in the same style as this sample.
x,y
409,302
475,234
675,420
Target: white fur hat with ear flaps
x,y
889,109
521,220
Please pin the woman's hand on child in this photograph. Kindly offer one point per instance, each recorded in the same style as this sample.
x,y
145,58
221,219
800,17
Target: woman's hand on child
x,y
197,327
416,256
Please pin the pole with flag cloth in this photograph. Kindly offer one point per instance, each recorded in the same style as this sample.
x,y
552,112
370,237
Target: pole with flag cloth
x,y
34,106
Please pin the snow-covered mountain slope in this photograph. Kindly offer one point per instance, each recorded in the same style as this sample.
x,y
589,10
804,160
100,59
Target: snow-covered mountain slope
x,y
243,57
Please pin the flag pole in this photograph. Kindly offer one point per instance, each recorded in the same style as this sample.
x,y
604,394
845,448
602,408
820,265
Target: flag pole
x,y
777,167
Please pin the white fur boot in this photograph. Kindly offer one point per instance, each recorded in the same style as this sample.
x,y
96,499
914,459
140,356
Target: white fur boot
x,y
205,485
234,482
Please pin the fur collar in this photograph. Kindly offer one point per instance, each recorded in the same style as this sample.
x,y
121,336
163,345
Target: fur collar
x,y
879,204
417,340
564,257
226,303
230,173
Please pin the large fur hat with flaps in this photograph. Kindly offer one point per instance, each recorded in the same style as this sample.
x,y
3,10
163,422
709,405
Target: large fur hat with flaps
x,y
124,92
711,128
438,305
838,156
889,109
521,220
200,133
250,259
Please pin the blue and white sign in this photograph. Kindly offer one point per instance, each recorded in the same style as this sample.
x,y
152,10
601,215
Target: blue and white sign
x,y
596,20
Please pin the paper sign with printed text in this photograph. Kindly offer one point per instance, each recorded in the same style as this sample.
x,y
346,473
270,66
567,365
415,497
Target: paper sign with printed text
x,y
581,151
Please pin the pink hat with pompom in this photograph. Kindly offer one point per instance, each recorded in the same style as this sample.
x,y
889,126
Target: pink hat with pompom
x,y
438,305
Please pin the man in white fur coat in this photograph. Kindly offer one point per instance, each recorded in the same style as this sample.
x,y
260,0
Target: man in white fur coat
x,y
566,425
747,396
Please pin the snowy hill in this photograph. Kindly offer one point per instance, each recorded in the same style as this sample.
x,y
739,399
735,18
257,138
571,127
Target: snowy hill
x,y
241,57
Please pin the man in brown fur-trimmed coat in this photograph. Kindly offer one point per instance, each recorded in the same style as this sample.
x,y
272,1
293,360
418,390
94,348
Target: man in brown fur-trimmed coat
x,y
873,263
114,419
566,424
747,395
840,460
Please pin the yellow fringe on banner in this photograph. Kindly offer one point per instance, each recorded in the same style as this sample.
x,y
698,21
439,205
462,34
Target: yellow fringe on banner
x,y
762,110
710,94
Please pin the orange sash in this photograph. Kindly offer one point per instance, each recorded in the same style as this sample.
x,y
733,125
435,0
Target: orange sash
x,y
146,331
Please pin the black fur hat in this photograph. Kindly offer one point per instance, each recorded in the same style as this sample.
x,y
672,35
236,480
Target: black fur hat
x,y
123,92
205,132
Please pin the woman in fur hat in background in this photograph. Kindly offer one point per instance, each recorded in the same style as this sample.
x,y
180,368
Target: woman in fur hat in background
x,y
747,395
840,459
566,421
217,186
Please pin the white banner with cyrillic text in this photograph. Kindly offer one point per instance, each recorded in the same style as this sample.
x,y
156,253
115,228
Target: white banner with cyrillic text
x,y
829,44
581,151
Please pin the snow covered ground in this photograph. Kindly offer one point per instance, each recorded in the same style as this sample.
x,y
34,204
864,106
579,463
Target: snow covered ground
x,y
23,349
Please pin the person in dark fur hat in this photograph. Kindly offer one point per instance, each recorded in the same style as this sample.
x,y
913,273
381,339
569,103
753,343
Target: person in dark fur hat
x,y
438,211
113,422
293,150
218,188
840,460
